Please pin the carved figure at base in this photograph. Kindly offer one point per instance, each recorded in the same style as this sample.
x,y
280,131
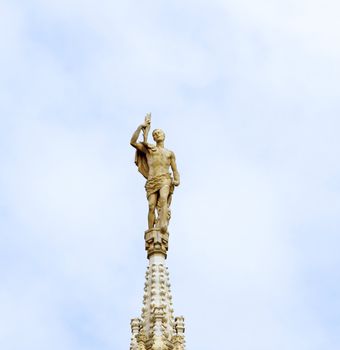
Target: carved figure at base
x,y
154,162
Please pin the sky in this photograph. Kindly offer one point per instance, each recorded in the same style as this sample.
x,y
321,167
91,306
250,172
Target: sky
x,y
248,95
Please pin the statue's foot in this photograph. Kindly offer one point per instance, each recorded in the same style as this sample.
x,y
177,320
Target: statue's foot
x,y
164,229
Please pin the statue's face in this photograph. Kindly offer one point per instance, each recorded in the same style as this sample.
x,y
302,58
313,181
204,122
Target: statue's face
x,y
158,135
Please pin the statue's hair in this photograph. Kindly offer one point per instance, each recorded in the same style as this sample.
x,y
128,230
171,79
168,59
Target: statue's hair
x,y
156,130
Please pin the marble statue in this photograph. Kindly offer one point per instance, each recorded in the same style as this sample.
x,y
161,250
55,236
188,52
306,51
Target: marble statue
x,y
154,162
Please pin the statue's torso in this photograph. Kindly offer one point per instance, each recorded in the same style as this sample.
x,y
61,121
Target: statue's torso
x,y
159,160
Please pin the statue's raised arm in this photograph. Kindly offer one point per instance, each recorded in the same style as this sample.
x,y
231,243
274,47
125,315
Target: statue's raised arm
x,y
145,127
154,162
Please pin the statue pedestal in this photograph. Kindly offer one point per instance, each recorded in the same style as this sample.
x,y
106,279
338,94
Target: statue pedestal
x,y
157,328
156,242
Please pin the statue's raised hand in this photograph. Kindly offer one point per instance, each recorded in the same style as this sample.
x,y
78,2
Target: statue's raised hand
x,y
147,121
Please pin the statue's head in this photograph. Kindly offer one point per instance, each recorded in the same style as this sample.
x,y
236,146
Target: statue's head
x,y
158,135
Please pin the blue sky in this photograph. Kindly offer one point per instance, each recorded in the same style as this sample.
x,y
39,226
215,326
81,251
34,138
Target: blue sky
x,y
248,95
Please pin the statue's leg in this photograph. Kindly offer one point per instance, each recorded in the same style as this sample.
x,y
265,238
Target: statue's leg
x,y
163,205
152,206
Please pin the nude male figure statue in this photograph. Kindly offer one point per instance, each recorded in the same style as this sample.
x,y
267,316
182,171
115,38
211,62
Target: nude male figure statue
x,y
153,162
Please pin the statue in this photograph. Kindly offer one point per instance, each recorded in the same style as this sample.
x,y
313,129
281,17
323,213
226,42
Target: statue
x,y
153,162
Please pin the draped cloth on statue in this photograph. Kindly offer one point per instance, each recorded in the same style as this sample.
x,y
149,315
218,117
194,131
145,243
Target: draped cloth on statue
x,y
154,184
142,163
